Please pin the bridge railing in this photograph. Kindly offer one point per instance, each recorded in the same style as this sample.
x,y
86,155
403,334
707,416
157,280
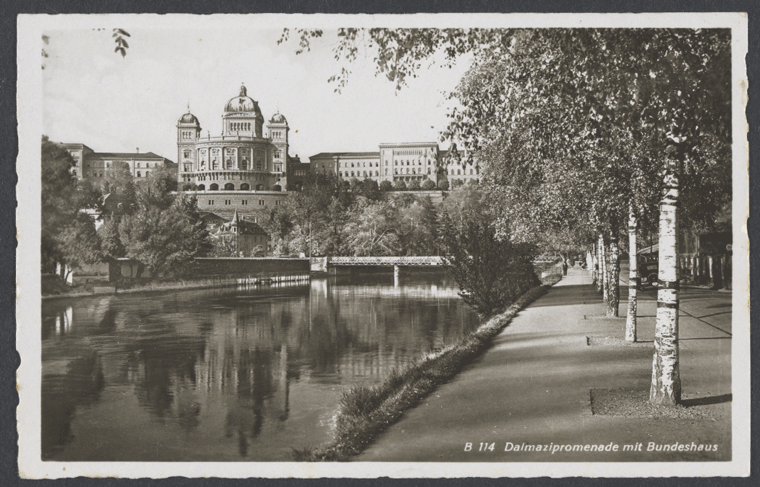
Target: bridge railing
x,y
385,261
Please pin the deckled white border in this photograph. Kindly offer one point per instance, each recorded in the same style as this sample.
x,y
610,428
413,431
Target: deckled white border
x,y
29,96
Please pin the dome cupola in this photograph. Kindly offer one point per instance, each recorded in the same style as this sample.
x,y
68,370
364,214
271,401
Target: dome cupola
x,y
242,116
189,118
242,104
278,118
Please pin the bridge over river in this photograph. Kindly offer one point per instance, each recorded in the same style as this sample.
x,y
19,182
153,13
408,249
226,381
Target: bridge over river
x,y
343,264
385,261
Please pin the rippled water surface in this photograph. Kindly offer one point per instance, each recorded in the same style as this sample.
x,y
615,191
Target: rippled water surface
x,y
228,374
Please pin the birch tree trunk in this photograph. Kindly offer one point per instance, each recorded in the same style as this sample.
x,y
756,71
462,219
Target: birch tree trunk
x,y
598,267
604,277
666,378
613,280
590,264
593,266
633,278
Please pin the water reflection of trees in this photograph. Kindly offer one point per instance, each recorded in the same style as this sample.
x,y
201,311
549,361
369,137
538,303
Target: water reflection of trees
x,y
79,384
183,351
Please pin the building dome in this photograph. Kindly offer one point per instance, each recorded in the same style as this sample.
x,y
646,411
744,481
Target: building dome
x,y
278,118
242,104
188,118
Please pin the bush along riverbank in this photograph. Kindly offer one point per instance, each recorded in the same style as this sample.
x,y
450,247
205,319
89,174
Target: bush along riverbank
x,y
366,411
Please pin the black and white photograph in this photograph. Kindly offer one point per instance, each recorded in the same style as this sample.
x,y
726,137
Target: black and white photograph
x,y
414,246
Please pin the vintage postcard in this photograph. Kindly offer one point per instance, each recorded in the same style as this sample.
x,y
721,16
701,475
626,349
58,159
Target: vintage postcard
x,y
383,246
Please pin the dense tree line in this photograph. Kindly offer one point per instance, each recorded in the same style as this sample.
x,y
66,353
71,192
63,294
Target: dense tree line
x,y
153,224
584,135
330,216
147,222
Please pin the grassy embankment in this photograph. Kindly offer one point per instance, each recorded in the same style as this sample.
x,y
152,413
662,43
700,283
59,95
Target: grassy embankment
x,y
366,411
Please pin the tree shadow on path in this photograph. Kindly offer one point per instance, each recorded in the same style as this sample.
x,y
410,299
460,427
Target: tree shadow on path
x,y
705,401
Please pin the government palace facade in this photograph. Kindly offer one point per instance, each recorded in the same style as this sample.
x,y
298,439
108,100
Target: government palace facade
x,y
248,167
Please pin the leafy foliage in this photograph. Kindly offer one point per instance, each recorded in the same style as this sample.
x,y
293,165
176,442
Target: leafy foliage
x,y
491,273
79,242
65,237
152,225
121,43
119,183
110,243
569,125
156,190
165,240
399,53
372,230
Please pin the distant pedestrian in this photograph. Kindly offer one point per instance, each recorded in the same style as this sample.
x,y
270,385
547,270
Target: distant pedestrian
x,y
564,267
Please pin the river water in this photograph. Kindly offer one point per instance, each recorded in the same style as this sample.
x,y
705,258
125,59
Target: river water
x,y
229,374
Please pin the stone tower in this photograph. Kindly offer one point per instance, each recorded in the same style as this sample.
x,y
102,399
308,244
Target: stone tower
x,y
188,132
278,134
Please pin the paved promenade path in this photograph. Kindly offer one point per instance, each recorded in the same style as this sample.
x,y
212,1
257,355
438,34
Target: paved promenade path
x,y
532,386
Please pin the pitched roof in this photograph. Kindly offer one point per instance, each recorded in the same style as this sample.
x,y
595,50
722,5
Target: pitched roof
x,y
344,154
126,155
244,227
209,216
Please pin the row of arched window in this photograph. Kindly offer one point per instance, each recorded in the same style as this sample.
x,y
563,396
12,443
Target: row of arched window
x,y
228,164
353,174
238,126
363,164
231,187
413,171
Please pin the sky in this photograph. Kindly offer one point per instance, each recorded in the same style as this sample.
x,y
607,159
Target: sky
x,y
92,95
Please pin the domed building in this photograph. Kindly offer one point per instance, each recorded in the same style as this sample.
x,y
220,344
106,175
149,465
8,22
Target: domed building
x,y
226,170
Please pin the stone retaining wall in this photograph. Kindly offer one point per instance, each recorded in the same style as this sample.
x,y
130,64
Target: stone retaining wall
x,y
206,267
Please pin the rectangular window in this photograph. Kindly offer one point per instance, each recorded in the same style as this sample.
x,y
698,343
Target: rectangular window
x,y
226,202
261,202
210,202
277,203
245,202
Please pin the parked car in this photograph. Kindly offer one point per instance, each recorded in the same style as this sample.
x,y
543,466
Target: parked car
x,y
648,268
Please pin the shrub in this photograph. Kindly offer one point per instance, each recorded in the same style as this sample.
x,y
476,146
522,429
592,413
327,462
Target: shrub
x,y
428,185
400,185
386,186
491,273
443,184
414,184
